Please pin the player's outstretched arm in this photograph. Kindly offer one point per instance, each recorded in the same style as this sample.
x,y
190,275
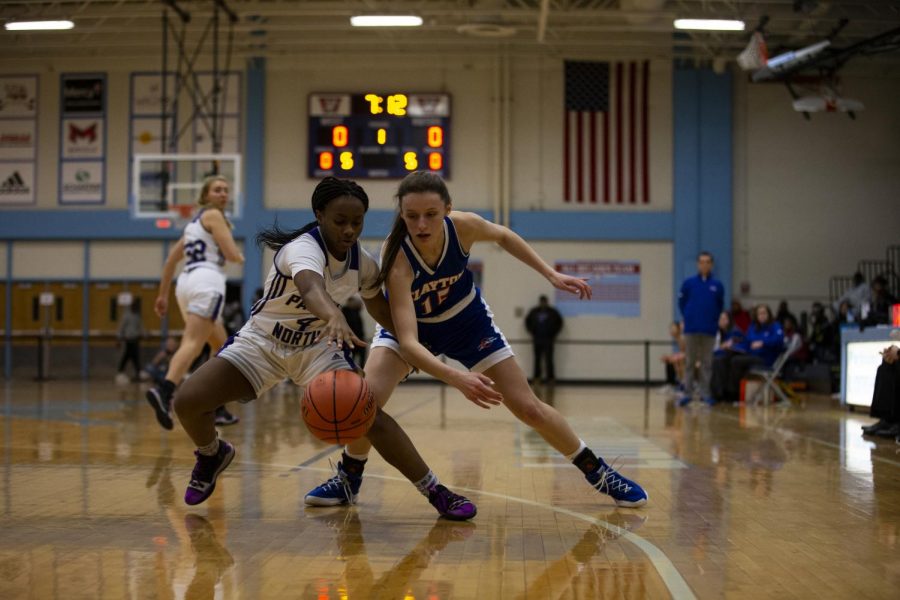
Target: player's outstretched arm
x,y
311,286
472,228
380,310
474,386
176,253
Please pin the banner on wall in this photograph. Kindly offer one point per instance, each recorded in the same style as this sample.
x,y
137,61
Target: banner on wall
x,y
17,182
18,96
18,138
615,285
82,147
83,94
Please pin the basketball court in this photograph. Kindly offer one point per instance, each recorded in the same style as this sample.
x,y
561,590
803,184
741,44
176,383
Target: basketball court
x,y
744,502
617,140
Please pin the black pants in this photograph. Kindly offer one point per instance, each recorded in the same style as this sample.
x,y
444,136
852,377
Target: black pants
x,y
886,397
132,354
543,356
727,372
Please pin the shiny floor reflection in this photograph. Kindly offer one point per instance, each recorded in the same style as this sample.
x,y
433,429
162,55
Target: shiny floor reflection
x,y
744,502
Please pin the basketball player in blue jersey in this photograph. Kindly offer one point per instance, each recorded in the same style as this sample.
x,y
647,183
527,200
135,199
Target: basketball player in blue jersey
x,y
297,331
205,245
436,309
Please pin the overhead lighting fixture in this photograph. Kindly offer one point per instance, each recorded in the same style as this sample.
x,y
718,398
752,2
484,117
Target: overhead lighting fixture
x,y
386,21
38,25
710,24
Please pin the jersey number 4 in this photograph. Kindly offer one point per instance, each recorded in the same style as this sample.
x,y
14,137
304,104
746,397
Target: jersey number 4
x,y
440,296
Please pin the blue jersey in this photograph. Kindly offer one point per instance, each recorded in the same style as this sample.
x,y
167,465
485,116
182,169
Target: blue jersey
x,y
440,293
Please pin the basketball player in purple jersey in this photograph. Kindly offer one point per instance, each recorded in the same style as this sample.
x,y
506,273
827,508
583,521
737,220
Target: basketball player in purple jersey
x,y
437,309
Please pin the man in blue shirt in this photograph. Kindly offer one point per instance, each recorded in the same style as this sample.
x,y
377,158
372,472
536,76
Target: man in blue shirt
x,y
701,300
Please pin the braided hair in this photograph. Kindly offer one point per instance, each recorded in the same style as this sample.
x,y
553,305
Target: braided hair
x,y
416,182
327,190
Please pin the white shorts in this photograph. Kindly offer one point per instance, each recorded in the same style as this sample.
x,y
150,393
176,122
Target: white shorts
x,y
265,361
201,292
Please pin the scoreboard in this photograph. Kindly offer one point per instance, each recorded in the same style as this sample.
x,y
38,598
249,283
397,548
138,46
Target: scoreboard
x,y
378,136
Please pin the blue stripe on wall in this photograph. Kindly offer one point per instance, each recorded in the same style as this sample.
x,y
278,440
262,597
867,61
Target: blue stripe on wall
x,y
702,168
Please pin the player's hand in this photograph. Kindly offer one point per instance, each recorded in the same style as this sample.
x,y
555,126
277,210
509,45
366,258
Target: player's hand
x,y
568,283
756,345
478,389
338,333
161,306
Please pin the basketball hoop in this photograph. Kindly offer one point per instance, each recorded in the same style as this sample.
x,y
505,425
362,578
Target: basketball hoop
x,y
755,55
184,212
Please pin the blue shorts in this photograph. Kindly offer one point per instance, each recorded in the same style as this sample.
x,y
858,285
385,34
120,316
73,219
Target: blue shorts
x,y
470,337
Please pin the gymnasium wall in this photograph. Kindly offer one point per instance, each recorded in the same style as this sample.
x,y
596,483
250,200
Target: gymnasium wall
x,y
811,198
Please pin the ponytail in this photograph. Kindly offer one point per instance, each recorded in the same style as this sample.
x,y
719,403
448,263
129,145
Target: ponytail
x,y
391,248
275,237
327,190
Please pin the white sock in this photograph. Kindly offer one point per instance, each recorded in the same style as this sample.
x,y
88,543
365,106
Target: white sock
x,y
581,446
425,484
360,457
210,449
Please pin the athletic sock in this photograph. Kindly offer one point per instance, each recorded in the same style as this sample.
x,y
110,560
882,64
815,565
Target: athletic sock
x,y
360,457
352,466
581,446
587,461
426,484
210,449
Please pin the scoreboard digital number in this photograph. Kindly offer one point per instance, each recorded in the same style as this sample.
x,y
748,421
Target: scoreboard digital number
x,y
378,136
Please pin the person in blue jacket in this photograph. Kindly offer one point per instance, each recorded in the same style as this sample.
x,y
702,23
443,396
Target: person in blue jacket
x,y
761,346
701,301
728,340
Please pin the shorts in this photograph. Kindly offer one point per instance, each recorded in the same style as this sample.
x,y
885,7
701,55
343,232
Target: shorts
x,y
201,292
265,361
470,337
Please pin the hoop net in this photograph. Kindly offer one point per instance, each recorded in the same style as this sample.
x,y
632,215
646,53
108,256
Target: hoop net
x,y
183,212
755,55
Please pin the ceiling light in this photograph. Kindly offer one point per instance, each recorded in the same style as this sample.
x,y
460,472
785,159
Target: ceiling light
x,y
709,24
386,21
38,25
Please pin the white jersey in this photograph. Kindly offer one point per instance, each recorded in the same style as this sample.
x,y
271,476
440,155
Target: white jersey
x,y
200,248
281,313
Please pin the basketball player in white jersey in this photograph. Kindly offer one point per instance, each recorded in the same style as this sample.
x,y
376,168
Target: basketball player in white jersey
x,y
205,245
297,331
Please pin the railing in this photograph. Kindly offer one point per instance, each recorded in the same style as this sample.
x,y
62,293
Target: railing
x,y
837,285
69,338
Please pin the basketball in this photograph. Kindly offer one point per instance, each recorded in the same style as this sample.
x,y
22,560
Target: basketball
x,y
338,407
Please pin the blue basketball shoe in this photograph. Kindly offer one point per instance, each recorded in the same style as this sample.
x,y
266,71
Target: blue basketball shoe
x,y
343,488
624,491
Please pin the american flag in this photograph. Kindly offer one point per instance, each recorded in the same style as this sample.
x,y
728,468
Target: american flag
x,y
605,137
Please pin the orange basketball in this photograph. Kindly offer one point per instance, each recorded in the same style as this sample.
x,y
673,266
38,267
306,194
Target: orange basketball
x,y
338,407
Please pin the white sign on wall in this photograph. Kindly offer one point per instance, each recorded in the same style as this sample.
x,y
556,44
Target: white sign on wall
x,y
17,182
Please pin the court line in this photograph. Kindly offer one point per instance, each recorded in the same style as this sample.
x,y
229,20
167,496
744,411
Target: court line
x,y
677,586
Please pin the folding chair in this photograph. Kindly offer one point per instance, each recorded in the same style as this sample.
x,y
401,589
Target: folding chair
x,y
771,374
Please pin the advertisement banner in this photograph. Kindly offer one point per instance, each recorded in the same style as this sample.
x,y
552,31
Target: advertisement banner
x,y
18,96
615,285
18,138
83,94
81,182
17,182
82,138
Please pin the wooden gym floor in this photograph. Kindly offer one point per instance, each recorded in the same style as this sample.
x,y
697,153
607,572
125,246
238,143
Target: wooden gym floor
x,y
751,502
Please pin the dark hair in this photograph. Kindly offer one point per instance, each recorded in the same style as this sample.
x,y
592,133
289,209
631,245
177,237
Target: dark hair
x,y
858,278
768,311
328,189
727,314
417,182
705,253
